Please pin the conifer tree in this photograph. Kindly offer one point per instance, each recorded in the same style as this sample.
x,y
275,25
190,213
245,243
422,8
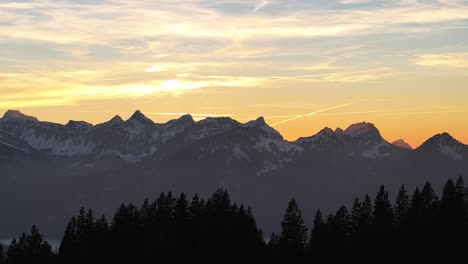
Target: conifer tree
x,y
362,218
293,238
181,229
383,211
430,200
402,205
355,215
195,208
317,236
460,190
2,254
69,242
367,213
382,225
340,226
30,248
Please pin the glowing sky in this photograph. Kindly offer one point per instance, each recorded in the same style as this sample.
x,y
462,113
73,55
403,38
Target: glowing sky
x,y
303,65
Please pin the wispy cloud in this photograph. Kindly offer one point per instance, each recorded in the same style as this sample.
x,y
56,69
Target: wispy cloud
x,y
426,112
345,76
452,60
199,53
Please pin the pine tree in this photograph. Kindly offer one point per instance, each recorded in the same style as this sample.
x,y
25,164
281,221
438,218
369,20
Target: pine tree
x,y
219,202
126,226
367,213
362,222
383,211
430,201
460,190
340,226
451,221
69,242
293,238
14,254
317,238
100,240
2,254
273,241
402,205
30,248
181,230
181,211
355,215
195,208
273,251
382,225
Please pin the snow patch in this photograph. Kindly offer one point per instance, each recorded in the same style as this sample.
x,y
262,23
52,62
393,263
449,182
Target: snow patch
x,y
239,153
272,145
450,151
11,146
375,152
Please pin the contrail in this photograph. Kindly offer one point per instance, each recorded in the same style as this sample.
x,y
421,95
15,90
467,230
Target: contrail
x,y
310,114
260,6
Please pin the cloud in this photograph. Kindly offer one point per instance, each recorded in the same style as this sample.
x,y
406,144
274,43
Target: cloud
x,y
125,49
451,60
426,112
68,22
345,76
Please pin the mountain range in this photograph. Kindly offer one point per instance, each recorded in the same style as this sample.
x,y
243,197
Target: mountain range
x,y
49,170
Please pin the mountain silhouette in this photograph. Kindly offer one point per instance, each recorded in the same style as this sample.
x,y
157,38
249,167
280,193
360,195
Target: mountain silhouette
x,y
48,170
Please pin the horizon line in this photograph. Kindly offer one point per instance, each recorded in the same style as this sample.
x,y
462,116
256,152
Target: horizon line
x,y
197,119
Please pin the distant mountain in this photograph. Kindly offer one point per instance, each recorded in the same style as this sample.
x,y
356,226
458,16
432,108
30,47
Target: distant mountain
x,y
402,144
49,170
358,140
444,145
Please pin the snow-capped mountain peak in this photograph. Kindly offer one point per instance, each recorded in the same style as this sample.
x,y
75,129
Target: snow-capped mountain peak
x,y
114,121
117,119
139,117
447,145
402,144
177,125
15,114
360,129
327,132
78,124
261,124
185,119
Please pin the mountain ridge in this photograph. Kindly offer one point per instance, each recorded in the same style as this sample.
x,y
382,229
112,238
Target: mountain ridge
x,y
355,129
47,170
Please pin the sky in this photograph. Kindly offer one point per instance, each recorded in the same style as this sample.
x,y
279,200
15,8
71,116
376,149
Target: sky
x,y
303,65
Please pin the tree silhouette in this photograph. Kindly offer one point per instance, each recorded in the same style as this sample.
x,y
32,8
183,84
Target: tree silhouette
x,y
382,225
293,238
420,230
2,254
29,248
402,205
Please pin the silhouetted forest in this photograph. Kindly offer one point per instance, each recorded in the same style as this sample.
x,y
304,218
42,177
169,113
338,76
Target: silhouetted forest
x,y
417,228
